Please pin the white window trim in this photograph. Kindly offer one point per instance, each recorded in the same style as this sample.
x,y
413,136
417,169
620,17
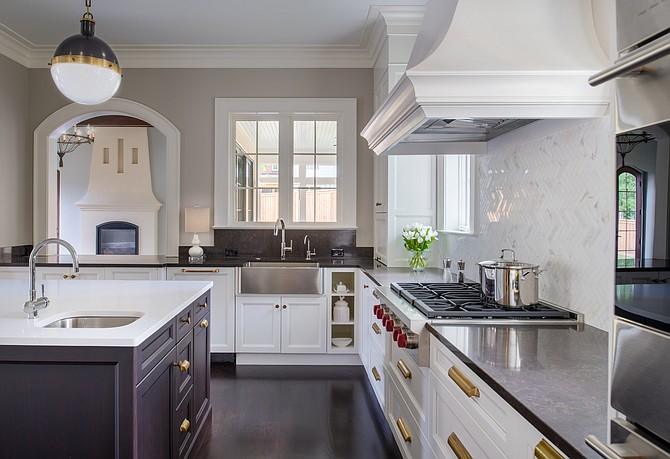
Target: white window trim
x,y
463,207
227,109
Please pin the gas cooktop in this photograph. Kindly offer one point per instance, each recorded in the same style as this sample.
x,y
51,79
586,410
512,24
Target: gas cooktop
x,y
464,301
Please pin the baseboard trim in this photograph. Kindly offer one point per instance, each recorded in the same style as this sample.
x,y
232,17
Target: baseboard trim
x,y
298,359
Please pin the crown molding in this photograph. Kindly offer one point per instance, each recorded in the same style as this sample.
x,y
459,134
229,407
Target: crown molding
x,y
380,21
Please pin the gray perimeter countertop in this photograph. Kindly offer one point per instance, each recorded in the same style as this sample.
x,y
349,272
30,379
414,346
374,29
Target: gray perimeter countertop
x,y
556,377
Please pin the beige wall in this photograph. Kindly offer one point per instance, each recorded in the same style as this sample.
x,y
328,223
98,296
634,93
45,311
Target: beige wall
x,y
186,98
15,156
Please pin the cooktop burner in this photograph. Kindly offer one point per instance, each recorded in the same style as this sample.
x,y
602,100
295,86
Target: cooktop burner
x,y
464,300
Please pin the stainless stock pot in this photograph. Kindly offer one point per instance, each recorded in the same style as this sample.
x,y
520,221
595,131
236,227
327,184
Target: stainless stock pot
x,y
509,283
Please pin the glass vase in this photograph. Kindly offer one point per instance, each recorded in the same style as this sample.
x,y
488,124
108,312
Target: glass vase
x,y
417,261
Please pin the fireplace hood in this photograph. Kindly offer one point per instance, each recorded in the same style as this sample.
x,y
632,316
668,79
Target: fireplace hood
x,y
482,68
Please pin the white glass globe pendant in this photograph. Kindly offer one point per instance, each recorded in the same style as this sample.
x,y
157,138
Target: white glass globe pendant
x,y
84,68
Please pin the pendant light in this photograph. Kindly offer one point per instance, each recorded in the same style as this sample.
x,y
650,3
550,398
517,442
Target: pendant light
x,y
84,67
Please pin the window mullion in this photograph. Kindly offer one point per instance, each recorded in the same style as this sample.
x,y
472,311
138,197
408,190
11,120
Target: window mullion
x,y
285,167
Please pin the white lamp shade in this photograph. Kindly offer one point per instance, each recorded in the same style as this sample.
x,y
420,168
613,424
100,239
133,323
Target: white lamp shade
x,y
196,219
85,84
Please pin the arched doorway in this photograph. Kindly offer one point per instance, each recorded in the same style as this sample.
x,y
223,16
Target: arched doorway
x,y
45,211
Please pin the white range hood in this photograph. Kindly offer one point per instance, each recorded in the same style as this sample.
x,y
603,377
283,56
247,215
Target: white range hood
x,y
480,68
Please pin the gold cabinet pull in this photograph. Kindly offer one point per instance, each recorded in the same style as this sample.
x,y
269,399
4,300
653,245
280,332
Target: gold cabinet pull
x,y
376,374
186,320
284,306
184,270
204,323
463,382
403,430
203,305
457,447
276,306
544,450
375,294
185,425
407,374
376,328
183,365
366,286
64,276
72,276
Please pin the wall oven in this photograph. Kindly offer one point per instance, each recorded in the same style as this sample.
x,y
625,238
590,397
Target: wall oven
x,y
640,384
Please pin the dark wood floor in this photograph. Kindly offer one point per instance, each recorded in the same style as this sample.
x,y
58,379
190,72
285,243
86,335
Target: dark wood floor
x,y
294,412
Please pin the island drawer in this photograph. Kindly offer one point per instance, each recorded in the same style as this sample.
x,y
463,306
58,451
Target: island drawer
x,y
185,321
493,414
184,367
153,349
202,306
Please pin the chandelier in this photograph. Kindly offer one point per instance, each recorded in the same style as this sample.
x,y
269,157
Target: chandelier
x,y
626,142
67,143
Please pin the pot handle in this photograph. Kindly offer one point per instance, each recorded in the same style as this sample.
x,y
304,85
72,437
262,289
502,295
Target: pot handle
x,y
534,271
502,254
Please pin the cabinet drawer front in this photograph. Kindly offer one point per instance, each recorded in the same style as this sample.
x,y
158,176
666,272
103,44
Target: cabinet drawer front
x,y
486,407
412,379
184,367
377,335
153,349
452,428
185,320
404,426
377,375
183,426
202,306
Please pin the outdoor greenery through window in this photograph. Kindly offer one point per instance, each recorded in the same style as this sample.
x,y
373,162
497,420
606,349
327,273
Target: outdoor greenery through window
x,y
629,222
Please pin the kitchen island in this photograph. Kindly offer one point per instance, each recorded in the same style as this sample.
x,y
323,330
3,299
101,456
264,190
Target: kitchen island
x,y
139,390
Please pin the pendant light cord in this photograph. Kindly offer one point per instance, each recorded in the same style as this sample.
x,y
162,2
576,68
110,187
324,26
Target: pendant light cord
x,y
88,15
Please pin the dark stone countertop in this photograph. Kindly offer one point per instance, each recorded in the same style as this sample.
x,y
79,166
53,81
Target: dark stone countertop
x,y
648,264
644,303
556,377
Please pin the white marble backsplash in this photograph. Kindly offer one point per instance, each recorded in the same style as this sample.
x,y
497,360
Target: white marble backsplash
x,y
552,200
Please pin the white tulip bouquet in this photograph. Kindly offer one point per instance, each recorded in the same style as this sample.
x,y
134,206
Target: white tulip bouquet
x,y
418,238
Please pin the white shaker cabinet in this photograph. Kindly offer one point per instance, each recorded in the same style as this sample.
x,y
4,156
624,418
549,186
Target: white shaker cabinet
x,y
14,272
281,324
67,273
222,322
126,273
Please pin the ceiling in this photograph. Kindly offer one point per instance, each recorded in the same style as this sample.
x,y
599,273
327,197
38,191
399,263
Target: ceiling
x,y
333,32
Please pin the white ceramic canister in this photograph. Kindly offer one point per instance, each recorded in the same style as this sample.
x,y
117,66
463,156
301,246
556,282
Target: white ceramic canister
x,y
341,311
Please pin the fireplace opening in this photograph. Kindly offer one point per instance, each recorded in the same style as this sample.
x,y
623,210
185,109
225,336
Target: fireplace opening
x,y
117,238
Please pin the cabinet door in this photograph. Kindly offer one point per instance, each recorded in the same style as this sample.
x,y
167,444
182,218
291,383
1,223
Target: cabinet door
x,y
11,272
258,324
381,183
531,444
115,273
303,325
155,410
367,301
201,371
222,308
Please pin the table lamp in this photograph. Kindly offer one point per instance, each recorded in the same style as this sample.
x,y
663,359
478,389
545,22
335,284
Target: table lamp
x,y
196,220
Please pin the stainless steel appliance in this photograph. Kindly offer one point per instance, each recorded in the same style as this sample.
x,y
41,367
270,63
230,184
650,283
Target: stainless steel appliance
x,y
640,385
405,309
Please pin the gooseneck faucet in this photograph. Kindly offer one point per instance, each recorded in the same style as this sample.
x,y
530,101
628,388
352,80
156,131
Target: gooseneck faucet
x,y
284,248
306,241
33,305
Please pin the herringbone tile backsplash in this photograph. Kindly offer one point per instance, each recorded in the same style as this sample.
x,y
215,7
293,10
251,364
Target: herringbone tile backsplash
x,y
553,201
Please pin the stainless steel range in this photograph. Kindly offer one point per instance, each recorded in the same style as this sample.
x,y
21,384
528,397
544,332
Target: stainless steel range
x,y
405,309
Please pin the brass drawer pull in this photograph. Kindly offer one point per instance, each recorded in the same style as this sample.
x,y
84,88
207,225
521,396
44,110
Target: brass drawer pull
x,y
283,306
407,374
203,305
457,447
375,294
65,276
376,374
184,270
276,306
204,323
366,286
376,328
544,450
185,425
403,430
186,320
183,365
463,382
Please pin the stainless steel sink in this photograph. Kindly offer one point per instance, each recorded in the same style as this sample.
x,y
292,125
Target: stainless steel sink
x,y
92,322
281,277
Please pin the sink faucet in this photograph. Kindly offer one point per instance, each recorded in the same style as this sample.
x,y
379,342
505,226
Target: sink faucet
x,y
284,249
309,252
35,304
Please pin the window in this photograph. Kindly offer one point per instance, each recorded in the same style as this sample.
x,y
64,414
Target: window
x,y
629,221
290,158
456,193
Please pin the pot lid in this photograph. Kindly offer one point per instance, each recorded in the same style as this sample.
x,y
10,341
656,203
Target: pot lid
x,y
508,264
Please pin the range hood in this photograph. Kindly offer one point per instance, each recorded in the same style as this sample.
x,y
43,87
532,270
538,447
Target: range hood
x,y
482,68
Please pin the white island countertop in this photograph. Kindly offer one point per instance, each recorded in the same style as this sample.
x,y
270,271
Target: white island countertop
x,y
154,302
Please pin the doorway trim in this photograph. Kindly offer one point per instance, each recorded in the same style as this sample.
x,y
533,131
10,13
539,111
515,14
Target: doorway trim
x,y
45,161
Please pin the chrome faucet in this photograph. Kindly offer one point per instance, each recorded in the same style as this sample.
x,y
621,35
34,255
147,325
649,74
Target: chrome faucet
x,y
35,304
284,249
309,252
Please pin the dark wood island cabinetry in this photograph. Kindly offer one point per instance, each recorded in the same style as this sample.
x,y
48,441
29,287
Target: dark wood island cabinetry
x,y
144,402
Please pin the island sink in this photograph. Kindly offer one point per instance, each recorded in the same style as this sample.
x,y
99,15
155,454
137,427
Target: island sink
x,y
92,322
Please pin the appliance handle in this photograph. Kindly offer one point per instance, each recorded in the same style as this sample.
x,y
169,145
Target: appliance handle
x,y
601,448
634,60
